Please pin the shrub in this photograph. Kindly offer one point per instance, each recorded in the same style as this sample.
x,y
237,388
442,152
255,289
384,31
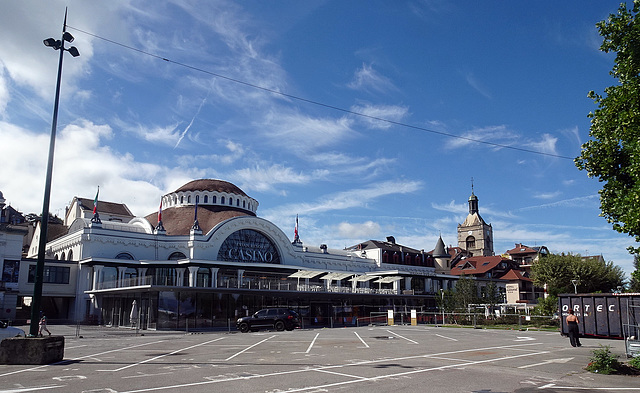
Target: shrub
x,y
635,362
603,361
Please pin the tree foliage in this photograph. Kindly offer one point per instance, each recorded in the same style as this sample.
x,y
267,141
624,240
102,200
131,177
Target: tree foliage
x,y
634,282
592,274
612,155
466,292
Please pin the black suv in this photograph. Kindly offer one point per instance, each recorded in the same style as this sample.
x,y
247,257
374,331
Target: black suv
x,y
269,318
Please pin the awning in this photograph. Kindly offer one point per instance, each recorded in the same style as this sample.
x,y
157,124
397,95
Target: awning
x,y
363,278
336,276
386,280
306,274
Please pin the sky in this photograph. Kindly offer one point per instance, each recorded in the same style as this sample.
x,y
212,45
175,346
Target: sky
x,y
366,119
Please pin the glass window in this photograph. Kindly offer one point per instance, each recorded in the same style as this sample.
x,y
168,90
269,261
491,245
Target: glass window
x,y
50,274
10,271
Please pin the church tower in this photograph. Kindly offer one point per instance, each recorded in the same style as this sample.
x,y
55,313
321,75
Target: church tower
x,y
475,235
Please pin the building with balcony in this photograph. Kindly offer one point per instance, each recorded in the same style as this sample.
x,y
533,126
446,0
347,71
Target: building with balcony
x,y
206,258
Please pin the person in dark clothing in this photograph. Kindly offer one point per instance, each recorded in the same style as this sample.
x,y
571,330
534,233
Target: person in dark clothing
x,y
574,333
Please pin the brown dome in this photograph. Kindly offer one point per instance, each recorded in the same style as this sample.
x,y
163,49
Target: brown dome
x,y
211,185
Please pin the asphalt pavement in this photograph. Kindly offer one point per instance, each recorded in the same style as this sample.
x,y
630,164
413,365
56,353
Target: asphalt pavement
x,y
362,359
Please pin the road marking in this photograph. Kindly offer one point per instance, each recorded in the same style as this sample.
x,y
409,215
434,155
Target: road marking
x,y
65,361
248,348
22,390
396,334
525,339
560,360
448,338
312,343
357,335
552,385
359,379
161,356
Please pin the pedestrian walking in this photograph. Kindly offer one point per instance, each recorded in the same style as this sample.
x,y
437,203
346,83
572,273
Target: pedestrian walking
x,y
43,326
574,332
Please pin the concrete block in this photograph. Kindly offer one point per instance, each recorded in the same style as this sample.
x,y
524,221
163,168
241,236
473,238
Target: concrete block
x,y
37,350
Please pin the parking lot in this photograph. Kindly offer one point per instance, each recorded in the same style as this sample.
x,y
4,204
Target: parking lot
x,y
363,359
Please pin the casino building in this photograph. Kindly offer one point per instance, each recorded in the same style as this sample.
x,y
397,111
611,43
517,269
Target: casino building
x,y
206,258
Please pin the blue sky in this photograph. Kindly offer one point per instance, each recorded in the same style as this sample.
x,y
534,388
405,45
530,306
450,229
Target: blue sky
x,y
446,75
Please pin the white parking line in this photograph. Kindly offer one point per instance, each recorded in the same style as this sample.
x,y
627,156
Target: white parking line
x,y
356,378
448,338
408,339
554,386
248,348
357,335
312,342
79,358
161,356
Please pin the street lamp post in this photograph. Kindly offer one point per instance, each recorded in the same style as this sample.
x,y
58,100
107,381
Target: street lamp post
x,y
442,304
44,220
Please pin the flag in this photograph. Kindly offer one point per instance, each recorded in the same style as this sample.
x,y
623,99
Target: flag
x,y
295,230
95,202
160,211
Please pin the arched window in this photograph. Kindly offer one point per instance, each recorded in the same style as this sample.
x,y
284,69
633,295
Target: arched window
x,y
188,198
244,204
238,202
385,257
471,242
181,199
222,200
213,199
231,201
206,199
70,255
124,255
176,256
63,257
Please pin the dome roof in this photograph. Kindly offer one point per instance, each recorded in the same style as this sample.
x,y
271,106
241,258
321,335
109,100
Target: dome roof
x,y
211,185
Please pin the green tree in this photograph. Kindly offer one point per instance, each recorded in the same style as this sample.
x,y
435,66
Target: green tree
x,y
613,153
634,283
592,274
466,292
556,271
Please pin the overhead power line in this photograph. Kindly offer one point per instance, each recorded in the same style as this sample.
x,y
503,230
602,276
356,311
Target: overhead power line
x,y
318,103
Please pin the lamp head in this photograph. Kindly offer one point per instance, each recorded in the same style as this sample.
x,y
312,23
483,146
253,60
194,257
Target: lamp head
x,y
67,36
52,43
74,51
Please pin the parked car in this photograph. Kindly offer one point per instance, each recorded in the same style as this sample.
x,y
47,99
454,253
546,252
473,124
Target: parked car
x,y
269,318
7,331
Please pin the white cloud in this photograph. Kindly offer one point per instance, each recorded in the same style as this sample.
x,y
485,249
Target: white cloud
x,y
359,231
476,85
547,144
368,79
372,114
547,195
493,134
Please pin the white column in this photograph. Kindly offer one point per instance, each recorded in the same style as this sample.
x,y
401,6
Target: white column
x,y
193,276
214,277
240,274
142,271
180,276
97,271
121,270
